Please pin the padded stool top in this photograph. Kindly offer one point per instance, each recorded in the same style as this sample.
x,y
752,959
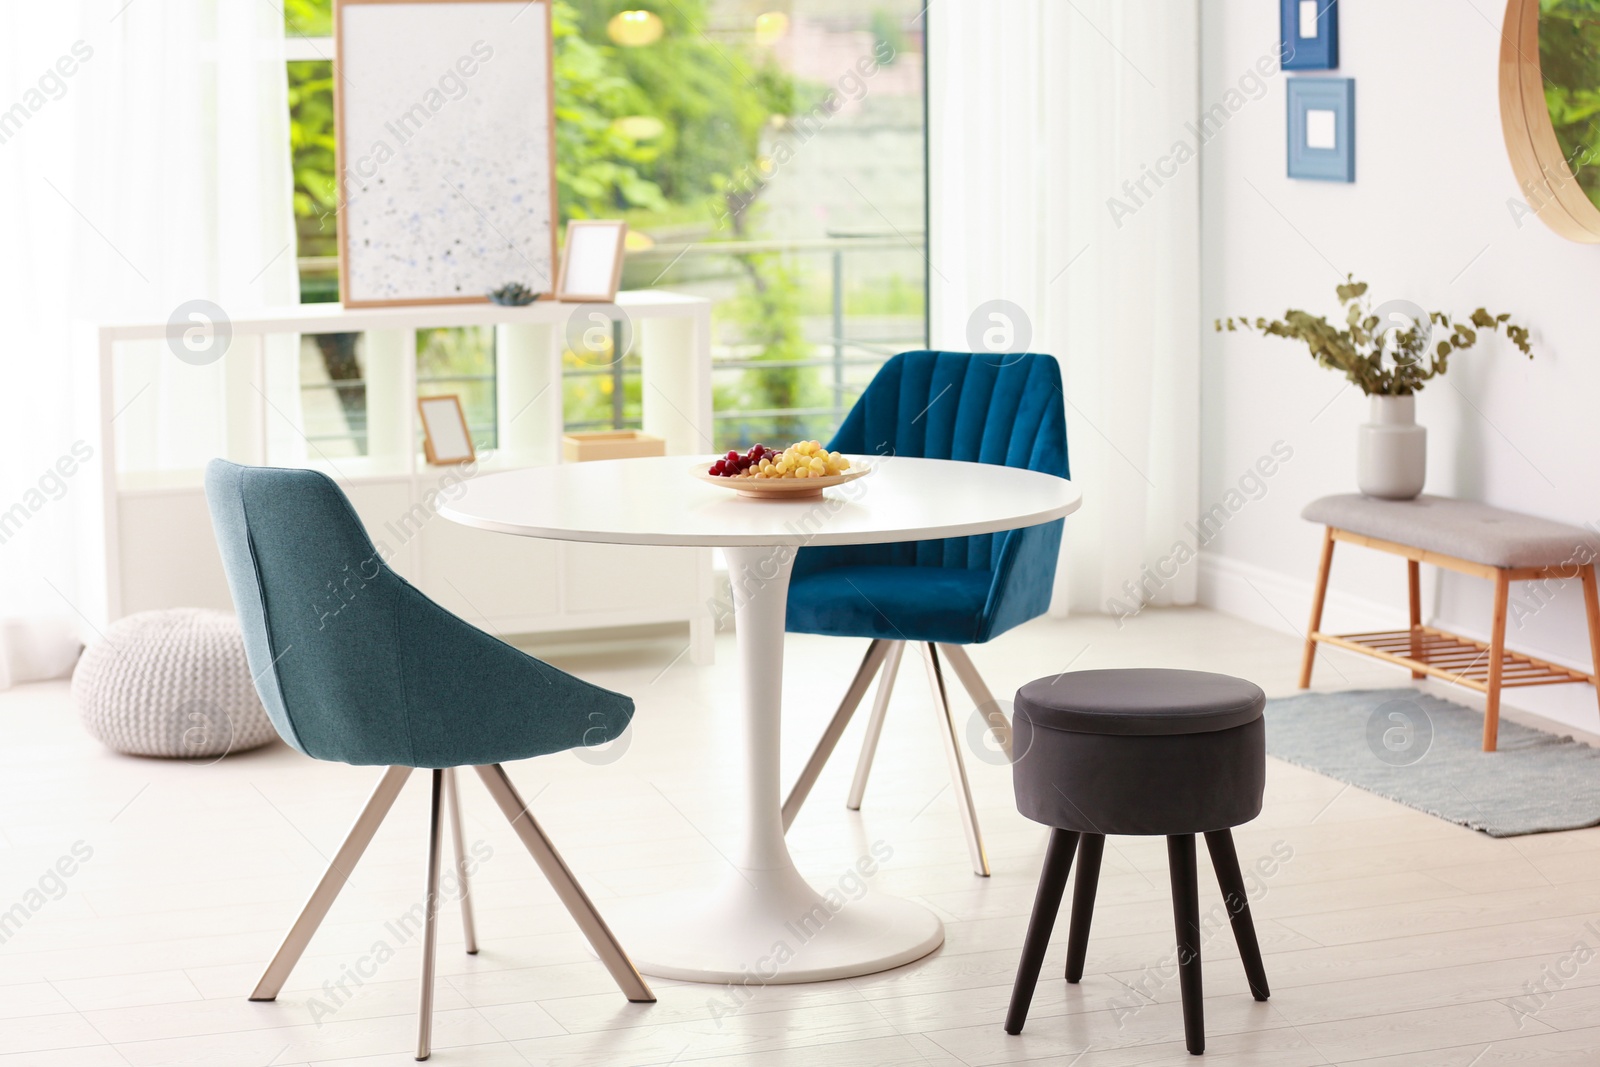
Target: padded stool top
x,y
1461,528
1146,701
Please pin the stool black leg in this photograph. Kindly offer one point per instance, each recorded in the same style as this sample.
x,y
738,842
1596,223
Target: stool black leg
x,y
1052,883
1186,917
1226,861
1090,849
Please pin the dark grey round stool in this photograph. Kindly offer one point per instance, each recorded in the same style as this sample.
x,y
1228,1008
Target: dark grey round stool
x,y
1176,753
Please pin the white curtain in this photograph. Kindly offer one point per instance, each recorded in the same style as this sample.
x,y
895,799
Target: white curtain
x,y
1057,185
156,172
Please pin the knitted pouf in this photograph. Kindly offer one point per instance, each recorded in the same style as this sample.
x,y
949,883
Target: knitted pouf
x,y
171,683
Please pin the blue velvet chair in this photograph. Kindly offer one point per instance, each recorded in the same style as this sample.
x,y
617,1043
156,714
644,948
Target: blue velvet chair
x,y
354,665
944,594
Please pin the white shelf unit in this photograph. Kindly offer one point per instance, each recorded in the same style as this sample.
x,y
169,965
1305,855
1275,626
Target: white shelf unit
x,y
151,530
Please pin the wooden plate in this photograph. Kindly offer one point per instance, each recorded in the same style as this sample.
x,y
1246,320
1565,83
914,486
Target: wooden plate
x,y
781,488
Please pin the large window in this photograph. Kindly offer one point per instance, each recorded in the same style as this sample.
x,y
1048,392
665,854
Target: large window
x,y
766,154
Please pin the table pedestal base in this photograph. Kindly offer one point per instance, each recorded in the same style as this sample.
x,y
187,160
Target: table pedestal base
x,y
771,928
762,923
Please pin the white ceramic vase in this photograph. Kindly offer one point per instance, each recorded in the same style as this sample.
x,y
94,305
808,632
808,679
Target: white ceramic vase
x,y
1392,450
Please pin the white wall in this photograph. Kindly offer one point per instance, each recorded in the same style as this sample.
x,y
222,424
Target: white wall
x,y
1427,220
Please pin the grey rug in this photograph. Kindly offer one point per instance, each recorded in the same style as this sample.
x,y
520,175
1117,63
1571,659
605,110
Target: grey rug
x,y
1426,753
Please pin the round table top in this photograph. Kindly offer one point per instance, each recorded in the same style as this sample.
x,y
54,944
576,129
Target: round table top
x,y
658,501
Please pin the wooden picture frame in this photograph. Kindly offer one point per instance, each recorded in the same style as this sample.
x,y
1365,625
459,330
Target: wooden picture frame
x,y
446,438
591,260
444,149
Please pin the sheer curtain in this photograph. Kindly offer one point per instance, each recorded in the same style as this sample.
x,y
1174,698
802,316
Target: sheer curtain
x,y
1057,185
39,505
155,172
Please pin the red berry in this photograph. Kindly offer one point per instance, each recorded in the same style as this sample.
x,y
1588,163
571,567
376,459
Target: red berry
x,y
732,455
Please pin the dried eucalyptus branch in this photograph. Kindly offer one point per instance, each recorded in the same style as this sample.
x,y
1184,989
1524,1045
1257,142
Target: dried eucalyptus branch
x,y
1380,358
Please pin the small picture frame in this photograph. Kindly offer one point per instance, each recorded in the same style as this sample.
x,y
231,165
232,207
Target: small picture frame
x,y
1309,34
1322,129
445,436
591,262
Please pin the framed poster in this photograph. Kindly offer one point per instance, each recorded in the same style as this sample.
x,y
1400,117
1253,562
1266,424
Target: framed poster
x,y
446,149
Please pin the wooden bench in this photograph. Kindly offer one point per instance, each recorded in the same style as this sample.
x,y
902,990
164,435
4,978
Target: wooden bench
x,y
1492,543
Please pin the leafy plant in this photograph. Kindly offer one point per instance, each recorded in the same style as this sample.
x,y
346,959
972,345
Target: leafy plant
x,y
1384,360
600,164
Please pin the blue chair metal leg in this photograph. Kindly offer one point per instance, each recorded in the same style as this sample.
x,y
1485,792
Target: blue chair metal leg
x,y
880,707
883,659
836,726
973,683
950,734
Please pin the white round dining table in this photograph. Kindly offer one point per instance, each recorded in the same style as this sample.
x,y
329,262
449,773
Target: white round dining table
x,y
763,922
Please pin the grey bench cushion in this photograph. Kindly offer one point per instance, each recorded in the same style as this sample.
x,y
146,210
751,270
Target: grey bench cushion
x,y
1461,528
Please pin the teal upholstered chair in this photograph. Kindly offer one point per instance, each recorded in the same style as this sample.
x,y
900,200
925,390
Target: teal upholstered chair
x,y
943,594
354,665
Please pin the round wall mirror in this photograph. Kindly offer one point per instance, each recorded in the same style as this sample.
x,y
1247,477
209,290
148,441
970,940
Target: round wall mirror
x,y
1550,110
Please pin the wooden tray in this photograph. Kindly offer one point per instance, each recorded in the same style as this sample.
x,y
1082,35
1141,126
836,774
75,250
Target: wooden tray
x,y
781,488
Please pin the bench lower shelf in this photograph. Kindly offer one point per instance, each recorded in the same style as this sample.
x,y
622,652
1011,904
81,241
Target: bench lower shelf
x,y
1452,657
1425,650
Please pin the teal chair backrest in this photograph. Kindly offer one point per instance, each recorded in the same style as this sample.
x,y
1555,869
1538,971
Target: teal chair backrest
x,y
356,665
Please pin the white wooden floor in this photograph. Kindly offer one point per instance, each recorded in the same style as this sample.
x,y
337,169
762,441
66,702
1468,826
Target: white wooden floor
x,y
1390,937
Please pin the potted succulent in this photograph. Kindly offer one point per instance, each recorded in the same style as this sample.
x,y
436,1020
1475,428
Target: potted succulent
x,y
1390,353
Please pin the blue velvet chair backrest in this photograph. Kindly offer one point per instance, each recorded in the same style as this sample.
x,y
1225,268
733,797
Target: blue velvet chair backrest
x,y
1004,409
354,664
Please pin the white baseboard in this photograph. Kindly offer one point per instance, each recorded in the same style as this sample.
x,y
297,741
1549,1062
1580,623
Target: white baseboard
x,y
1282,602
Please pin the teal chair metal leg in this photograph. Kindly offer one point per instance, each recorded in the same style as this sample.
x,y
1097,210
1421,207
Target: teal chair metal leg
x,y
430,917
469,930
322,898
444,790
559,875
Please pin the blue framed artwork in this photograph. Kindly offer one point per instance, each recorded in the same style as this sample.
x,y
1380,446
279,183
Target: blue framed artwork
x,y
1309,32
1322,129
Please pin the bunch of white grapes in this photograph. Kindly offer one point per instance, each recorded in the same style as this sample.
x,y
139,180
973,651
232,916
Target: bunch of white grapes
x,y
804,459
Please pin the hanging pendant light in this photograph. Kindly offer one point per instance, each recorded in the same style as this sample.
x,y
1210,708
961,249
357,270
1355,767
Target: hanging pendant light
x,y
635,28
